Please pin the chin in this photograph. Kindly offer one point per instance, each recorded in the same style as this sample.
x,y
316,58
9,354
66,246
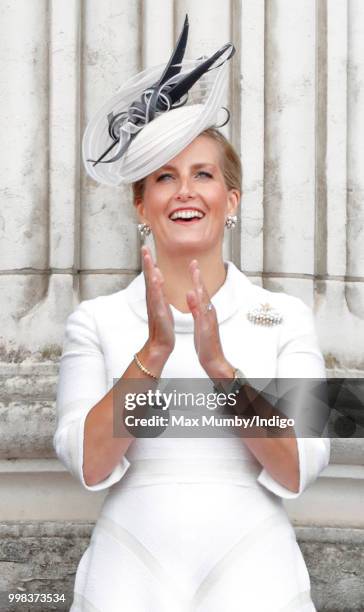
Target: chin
x,y
181,247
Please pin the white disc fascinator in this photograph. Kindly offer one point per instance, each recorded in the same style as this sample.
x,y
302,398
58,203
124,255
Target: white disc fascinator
x,y
155,115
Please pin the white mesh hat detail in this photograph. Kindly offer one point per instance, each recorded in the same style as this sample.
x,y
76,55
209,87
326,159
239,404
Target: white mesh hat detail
x,y
155,115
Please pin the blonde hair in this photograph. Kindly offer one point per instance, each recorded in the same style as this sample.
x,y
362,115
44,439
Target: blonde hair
x,y
231,164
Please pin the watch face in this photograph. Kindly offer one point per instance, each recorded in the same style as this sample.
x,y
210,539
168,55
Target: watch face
x,y
237,385
238,381
240,377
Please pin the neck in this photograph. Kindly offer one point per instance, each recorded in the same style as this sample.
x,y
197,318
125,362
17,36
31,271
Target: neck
x,y
177,277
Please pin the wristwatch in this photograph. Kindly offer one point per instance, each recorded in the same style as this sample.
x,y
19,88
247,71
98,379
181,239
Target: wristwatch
x,y
236,384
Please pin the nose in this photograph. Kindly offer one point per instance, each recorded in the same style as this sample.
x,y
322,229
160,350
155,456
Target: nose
x,y
184,191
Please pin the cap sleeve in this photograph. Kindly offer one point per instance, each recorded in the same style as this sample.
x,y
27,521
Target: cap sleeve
x,y
82,383
299,356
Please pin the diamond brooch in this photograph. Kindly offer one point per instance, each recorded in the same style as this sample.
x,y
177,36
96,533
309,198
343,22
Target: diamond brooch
x,y
264,315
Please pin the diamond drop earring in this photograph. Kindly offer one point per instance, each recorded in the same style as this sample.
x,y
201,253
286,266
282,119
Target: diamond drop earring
x,y
231,221
144,230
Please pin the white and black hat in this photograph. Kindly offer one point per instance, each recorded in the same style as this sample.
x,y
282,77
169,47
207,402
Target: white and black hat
x,y
155,115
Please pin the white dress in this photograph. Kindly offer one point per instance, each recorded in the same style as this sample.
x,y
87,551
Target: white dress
x,y
188,524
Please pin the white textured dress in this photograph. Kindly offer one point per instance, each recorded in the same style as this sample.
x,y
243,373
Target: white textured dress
x,y
188,524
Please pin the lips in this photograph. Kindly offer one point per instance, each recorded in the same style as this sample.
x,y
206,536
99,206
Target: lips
x,y
188,222
186,215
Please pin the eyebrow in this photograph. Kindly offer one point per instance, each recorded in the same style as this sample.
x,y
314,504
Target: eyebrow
x,y
194,166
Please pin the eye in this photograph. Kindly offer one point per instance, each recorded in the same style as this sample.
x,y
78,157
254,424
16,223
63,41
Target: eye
x,y
204,174
165,176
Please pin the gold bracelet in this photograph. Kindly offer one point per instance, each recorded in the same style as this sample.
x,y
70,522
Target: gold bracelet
x,y
143,369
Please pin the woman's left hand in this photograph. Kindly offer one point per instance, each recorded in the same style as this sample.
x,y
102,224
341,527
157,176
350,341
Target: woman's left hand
x,y
206,333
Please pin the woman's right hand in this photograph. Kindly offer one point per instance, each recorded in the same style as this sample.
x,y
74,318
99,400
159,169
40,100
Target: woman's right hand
x,y
160,317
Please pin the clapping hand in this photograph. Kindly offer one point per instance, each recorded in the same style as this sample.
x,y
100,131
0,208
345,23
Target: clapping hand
x,y
206,332
161,324
160,317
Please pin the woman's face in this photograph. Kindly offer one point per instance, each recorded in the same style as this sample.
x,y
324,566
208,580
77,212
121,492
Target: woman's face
x,y
192,183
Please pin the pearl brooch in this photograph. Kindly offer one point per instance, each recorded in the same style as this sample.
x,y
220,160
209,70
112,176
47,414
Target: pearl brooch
x,y
264,315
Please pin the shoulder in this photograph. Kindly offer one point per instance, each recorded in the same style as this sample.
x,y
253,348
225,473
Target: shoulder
x,y
102,306
253,297
287,303
295,331
296,317
256,296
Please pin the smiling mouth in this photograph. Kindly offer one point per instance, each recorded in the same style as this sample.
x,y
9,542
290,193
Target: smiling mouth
x,y
190,221
188,217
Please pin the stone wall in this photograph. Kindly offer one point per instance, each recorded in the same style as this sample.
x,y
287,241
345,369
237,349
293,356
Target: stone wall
x,y
297,98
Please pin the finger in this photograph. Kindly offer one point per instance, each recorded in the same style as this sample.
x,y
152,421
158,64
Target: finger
x,y
150,285
157,301
196,277
158,273
159,291
204,296
145,252
193,265
192,301
192,298
148,266
156,284
149,263
144,249
145,259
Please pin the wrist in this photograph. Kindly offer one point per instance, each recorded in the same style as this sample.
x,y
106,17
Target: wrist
x,y
233,385
153,358
220,369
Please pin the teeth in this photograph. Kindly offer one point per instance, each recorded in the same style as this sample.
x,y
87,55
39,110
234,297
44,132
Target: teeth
x,y
186,214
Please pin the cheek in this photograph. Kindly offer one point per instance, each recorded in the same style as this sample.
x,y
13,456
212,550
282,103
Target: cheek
x,y
153,203
158,194
218,200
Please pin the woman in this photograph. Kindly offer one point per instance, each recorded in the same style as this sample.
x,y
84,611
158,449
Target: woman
x,y
188,524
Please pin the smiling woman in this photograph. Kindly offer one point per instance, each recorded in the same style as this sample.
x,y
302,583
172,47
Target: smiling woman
x,y
189,523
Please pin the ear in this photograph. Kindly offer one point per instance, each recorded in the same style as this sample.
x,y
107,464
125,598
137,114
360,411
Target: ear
x,y
233,201
140,208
